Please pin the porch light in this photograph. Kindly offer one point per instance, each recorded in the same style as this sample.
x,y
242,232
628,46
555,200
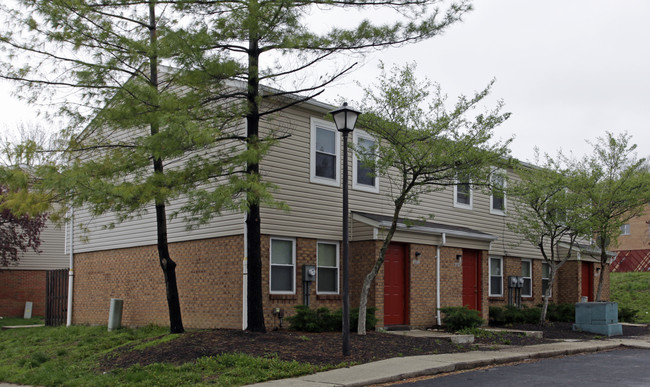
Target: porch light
x,y
345,118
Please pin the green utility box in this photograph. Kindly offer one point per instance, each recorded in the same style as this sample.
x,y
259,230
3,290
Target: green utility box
x,y
598,317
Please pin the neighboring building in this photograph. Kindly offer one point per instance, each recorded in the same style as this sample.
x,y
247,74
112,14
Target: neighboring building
x,y
26,281
469,234
633,245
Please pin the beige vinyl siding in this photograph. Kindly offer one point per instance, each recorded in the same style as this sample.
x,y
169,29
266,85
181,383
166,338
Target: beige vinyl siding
x,y
315,209
141,231
52,254
93,233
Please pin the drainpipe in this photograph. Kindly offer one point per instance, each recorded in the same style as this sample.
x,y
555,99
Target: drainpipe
x,y
444,241
244,317
71,270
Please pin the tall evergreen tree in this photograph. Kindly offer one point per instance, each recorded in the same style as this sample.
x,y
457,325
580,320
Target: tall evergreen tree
x,y
139,135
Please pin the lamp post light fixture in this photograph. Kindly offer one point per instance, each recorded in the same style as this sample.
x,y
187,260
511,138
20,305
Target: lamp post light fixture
x,y
345,118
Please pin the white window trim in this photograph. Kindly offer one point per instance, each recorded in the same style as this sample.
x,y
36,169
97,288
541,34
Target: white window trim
x,y
490,276
338,267
471,197
315,122
548,279
530,266
505,199
293,258
626,229
362,187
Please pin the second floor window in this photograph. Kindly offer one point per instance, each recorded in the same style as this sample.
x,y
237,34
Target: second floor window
x,y
463,193
498,196
325,145
364,176
625,229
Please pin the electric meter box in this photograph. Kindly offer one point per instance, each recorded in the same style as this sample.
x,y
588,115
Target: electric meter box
x,y
308,273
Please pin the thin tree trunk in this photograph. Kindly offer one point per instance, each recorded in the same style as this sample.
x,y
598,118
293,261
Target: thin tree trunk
x,y
253,221
166,263
603,263
547,294
361,326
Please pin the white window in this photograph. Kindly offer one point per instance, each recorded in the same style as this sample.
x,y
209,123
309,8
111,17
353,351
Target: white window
x,y
498,195
283,266
463,193
363,177
327,259
546,274
527,274
496,276
325,148
625,229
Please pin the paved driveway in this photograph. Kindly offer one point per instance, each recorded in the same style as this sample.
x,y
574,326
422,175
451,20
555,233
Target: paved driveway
x,y
624,367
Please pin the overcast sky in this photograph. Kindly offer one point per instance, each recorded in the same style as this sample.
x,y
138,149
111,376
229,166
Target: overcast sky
x,y
567,70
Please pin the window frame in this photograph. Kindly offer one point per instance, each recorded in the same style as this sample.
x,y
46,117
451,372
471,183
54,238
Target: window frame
x,y
490,293
338,267
457,204
356,185
626,229
529,277
546,279
502,212
293,265
326,125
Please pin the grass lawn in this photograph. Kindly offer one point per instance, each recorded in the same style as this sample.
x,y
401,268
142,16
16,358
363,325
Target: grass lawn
x,y
61,356
632,290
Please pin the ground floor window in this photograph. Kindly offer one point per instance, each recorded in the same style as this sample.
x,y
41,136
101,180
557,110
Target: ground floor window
x,y
283,266
546,274
328,268
496,276
527,274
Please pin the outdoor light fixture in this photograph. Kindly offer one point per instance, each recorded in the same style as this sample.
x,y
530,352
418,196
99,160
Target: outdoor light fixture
x,y
345,118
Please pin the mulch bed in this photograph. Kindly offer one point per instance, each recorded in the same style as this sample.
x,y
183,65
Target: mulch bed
x,y
325,348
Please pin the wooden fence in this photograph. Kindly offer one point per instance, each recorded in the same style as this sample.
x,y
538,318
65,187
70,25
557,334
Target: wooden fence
x,y
56,299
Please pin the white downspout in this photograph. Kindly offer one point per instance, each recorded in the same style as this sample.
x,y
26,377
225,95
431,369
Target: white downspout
x,y
444,241
244,317
71,270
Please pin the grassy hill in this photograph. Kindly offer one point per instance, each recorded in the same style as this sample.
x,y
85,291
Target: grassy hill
x,y
632,290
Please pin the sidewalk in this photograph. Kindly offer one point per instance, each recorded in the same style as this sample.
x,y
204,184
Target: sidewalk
x,y
391,370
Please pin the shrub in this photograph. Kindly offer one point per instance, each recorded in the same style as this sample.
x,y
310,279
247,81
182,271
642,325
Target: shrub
x,y
323,320
512,315
561,312
458,318
627,314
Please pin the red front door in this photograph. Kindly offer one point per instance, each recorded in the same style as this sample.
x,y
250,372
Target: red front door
x,y
471,279
395,290
588,280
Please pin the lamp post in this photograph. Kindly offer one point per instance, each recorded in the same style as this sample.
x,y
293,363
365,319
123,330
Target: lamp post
x,y
345,118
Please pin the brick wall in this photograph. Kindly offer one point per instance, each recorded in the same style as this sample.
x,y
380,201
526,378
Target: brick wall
x,y
209,276
569,282
18,287
639,238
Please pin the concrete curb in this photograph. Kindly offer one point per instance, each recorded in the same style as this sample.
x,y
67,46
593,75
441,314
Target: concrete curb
x,y
395,369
